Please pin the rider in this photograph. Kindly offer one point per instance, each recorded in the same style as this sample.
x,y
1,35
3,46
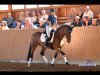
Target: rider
x,y
51,26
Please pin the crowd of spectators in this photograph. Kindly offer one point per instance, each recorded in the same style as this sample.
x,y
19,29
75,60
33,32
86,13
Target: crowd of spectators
x,y
38,19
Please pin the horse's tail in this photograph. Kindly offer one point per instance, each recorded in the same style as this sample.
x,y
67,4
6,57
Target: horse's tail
x,y
28,56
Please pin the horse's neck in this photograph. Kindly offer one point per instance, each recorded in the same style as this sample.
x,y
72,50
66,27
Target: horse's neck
x,y
61,35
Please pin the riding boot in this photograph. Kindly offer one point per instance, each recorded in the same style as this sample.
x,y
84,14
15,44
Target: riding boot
x,y
47,40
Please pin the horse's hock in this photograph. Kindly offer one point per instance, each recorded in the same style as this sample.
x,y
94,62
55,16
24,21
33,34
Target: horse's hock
x,y
85,45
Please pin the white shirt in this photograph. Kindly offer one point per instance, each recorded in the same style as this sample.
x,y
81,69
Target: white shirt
x,y
5,28
89,14
33,19
44,18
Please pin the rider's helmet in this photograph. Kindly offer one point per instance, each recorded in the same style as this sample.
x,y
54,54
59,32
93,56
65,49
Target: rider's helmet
x,y
52,10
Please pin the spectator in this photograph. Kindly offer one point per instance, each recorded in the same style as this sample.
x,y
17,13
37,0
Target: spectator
x,y
4,18
34,17
80,13
69,21
73,14
86,21
4,26
98,20
19,24
44,16
94,22
39,19
77,22
10,20
88,13
28,24
21,17
27,14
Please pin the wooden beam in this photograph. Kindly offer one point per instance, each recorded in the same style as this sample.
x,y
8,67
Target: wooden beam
x,y
10,8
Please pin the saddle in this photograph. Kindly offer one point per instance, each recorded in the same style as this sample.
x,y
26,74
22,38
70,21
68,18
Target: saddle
x,y
44,37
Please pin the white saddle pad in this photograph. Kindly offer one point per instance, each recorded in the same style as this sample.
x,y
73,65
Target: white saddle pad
x,y
42,38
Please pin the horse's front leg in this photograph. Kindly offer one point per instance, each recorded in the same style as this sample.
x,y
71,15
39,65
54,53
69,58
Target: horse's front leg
x,y
42,54
64,56
55,56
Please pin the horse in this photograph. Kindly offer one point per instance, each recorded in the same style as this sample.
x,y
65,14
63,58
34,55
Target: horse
x,y
60,33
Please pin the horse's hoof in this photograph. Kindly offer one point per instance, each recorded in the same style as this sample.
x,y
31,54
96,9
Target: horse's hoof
x,y
67,63
28,65
52,64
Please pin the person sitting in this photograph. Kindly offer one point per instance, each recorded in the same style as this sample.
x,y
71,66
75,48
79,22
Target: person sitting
x,y
19,24
21,17
39,21
73,14
44,18
51,26
80,13
34,17
86,21
77,22
28,24
4,26
10,20
94,22
27,14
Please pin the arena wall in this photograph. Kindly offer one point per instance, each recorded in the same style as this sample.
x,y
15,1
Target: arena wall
x,y
85,45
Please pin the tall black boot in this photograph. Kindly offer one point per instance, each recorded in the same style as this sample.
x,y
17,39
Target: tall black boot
x,y
47,40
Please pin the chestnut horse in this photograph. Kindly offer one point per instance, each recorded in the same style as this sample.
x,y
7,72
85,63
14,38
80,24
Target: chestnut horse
x,y
60,33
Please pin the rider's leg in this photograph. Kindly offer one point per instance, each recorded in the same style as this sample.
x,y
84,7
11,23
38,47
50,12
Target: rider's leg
x,y
47,34
51,34
48,31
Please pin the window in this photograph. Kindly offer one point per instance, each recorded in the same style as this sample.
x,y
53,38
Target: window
x,y
31,6
3,7
43,5
17,6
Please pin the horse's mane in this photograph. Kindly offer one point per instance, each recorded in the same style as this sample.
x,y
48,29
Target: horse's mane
x,y
62,26
60,30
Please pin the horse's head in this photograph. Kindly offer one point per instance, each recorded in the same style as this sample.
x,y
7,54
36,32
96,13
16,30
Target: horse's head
x,y
68,33
65,30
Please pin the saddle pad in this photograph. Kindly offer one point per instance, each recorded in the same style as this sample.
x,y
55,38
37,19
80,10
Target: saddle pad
x,y
42,37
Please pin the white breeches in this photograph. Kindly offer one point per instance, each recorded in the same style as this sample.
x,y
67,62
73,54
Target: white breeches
x,y
48,29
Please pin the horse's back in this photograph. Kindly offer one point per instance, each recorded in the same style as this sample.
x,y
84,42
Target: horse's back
x,y
36,36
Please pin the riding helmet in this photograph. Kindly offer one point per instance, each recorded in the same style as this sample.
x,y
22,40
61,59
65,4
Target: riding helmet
x,y
52,10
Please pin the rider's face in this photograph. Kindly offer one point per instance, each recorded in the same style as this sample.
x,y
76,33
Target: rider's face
x,y
53,13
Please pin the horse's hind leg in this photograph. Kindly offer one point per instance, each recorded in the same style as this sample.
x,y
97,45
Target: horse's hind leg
x,y
30,54
42,54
